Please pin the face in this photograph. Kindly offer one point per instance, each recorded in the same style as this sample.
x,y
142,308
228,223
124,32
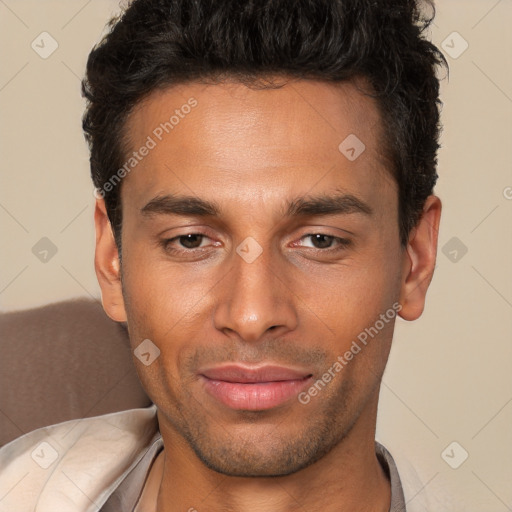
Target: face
x,y
255,253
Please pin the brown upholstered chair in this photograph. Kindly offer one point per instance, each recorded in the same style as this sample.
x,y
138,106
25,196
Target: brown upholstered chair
x,y
60,362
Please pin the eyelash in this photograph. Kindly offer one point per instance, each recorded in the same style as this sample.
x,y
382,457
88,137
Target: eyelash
x,y
342,243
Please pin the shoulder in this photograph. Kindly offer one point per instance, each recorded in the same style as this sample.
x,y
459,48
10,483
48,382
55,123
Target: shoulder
x,y
76,463
424,487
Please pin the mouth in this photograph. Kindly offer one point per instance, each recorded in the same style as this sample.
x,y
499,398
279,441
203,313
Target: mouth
x,y
254,389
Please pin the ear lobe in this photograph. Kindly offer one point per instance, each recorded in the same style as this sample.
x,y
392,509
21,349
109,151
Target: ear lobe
x,y
420,260
107,265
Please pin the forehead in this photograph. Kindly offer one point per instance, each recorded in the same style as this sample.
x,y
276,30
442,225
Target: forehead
x,y
248,143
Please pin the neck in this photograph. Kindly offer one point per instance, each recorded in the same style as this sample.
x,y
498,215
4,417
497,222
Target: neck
x,y
348,478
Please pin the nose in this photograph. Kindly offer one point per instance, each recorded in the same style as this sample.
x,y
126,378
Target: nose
x,y
255,299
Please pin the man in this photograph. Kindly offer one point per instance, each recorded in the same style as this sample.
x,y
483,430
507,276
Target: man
x,y
264,177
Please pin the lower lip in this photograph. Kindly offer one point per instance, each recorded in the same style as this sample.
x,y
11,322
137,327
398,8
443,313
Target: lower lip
x,y
254,396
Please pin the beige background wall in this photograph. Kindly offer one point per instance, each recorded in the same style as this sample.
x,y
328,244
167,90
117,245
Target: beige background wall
x,y
449,376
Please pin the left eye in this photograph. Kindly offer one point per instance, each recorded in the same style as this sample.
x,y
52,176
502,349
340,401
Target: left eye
x,y
321,241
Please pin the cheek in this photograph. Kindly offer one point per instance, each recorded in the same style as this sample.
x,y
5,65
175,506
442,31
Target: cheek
x,y
359,339
161,296
348,298
168,306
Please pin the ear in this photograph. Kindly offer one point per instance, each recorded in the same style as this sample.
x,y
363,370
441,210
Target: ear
x,y
107,265
420,260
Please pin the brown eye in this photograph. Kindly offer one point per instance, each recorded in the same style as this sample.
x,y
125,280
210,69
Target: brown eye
x,y
183,244
322,241
191,241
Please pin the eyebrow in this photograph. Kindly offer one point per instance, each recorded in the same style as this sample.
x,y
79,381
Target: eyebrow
x,y
339,203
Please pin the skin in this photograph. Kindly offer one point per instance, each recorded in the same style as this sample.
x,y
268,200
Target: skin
x,y
301,303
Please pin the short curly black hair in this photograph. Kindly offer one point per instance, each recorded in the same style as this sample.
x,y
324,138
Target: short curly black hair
x,y
154,44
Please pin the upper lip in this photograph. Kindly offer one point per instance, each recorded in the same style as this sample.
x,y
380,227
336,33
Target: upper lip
x,y
244,374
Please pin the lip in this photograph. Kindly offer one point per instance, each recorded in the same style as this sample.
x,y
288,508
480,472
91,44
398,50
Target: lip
x,y
254,389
